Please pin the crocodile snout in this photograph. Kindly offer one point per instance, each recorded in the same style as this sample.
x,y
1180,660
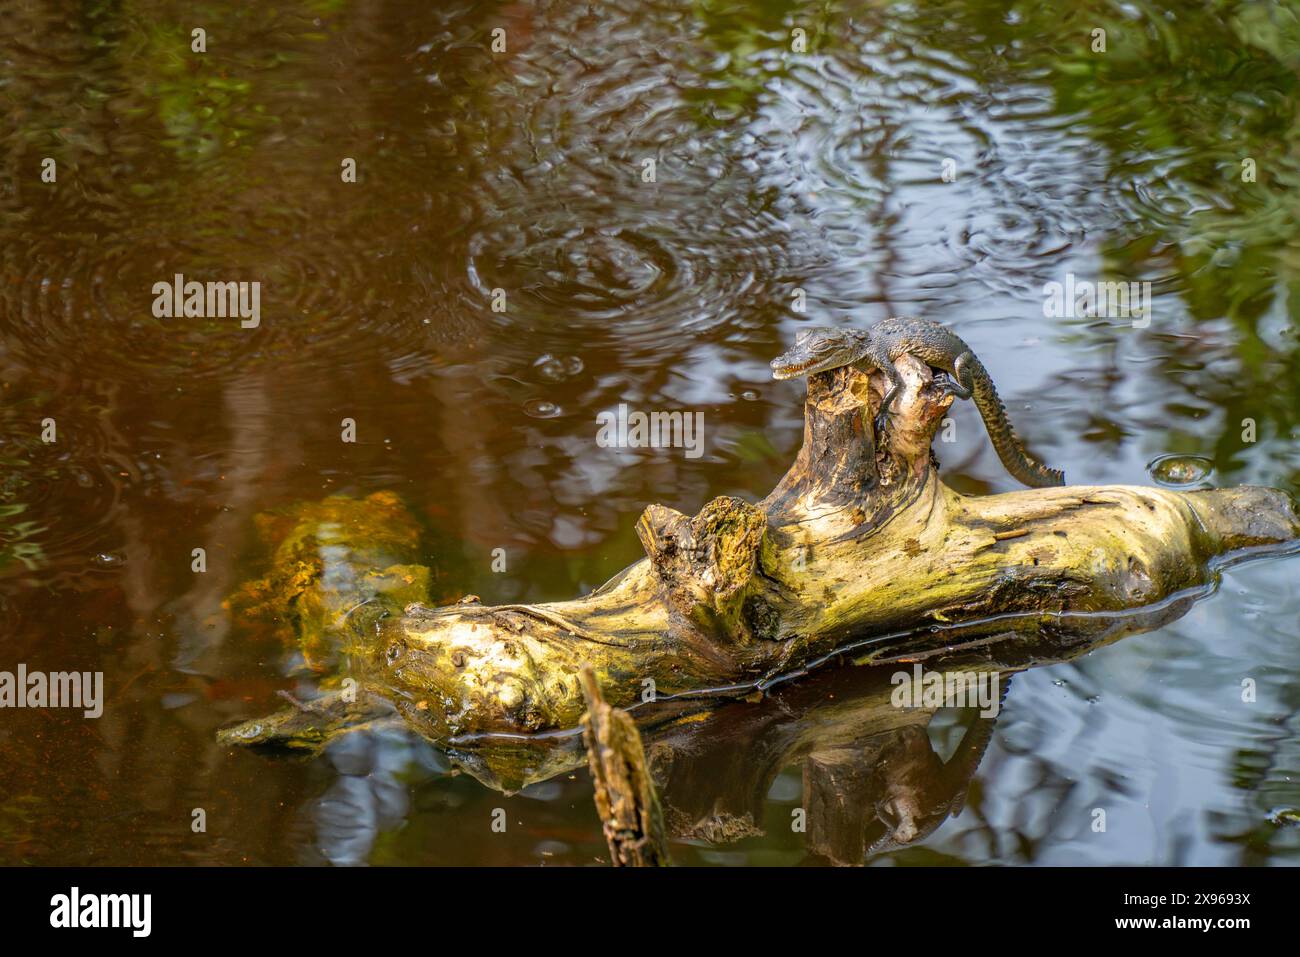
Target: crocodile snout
x,y
784,367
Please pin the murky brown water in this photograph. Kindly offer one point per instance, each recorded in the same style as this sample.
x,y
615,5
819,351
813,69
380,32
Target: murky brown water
x,y
524,171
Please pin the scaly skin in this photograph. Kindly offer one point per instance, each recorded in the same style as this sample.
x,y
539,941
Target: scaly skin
x,y
821,349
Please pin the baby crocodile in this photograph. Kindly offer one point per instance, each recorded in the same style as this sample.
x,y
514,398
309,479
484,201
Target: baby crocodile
x,y
821,349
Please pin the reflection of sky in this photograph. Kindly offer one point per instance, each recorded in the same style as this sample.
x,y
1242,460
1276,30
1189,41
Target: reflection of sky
x,y
370,794
857,153
1150,729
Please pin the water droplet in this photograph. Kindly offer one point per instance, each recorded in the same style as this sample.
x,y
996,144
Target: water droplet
x,y
749,395
107,560
1180,471
549,367
557,368
541,409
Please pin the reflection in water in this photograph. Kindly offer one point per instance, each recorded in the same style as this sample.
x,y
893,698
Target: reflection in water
x,y
526,172
1182,471
370,794
872,780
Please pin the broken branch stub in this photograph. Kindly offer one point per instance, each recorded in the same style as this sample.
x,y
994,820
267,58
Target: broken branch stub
x,y
624,791
705,566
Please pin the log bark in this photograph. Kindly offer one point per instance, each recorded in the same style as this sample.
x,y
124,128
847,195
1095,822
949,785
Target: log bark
x,y
624,792
859,545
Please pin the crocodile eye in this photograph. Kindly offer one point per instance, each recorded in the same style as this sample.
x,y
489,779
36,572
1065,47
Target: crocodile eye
x,y
393,653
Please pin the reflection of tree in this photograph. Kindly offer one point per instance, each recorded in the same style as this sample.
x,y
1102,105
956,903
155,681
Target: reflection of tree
x,y
200,613
742,34
1183,94
1257,772
886,792
872,780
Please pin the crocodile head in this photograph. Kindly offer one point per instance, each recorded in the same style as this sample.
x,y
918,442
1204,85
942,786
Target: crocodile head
x,y
817,350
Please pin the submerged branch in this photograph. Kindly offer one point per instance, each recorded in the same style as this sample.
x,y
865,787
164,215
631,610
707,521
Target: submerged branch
x,y
625,794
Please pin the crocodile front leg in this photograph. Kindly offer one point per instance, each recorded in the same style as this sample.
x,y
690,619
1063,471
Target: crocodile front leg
x,y
877,358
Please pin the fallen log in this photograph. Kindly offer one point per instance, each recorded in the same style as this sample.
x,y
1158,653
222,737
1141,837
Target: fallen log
x,y
857,540
713,758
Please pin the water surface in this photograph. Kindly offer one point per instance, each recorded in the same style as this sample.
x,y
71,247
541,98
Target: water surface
x,y
775,172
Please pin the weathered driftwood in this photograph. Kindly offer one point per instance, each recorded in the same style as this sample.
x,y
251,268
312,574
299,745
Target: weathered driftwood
x,y
872,782
714,758
624,792
856,541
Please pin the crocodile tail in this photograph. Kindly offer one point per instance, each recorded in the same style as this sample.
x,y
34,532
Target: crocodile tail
x,y
1023,467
